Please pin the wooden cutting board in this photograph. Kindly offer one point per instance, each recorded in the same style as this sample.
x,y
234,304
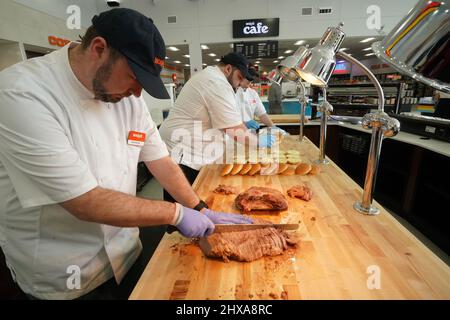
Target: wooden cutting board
x,y
340,256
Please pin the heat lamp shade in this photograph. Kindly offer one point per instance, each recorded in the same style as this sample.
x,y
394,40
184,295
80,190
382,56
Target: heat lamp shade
x,y
419,46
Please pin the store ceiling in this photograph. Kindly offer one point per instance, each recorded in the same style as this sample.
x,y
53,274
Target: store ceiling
x,y
354,45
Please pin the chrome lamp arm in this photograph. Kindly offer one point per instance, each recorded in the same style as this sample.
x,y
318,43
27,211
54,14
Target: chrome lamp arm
x,y
325,109
382,126
303,101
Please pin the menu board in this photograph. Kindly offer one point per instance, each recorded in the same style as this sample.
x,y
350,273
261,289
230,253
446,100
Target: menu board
x,y
257,49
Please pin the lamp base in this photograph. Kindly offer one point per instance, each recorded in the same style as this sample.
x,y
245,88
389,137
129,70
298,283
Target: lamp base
x,y
371,211
324,161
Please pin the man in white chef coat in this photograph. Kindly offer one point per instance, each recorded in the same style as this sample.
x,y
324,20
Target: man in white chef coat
x,y
73,126
250,105
205,115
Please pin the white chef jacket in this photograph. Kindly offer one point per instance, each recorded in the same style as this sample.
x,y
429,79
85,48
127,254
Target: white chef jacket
x,y
57,143
206,104
249,104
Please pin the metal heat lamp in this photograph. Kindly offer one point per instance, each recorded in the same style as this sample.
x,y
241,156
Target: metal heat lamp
x,y
382,126
316,67
285,70
419,46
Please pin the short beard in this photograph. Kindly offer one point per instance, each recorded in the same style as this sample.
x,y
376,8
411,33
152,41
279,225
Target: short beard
x,y
101,77
230,80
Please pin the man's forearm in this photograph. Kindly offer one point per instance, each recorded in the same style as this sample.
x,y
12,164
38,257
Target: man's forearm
x,y
172,178
266,120
119,209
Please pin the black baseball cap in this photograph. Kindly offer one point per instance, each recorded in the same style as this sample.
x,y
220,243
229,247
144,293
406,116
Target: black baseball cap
x,y
239,61
253,73
137,38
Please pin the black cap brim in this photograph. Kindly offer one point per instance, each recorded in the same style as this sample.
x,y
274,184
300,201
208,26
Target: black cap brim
x,y
245,73
152,84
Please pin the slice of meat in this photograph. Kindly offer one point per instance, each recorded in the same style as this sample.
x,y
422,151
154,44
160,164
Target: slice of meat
x,y
301,192
226,190
261,198
247,245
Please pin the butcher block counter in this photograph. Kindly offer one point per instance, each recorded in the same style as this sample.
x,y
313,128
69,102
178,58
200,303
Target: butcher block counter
x,y
342,254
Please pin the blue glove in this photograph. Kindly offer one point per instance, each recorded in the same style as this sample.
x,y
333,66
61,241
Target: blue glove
x,y
226,218
194,224
266,140
275,129
252,124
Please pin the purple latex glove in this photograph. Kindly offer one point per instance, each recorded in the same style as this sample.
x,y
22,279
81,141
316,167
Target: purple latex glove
x,y
226,218
194,224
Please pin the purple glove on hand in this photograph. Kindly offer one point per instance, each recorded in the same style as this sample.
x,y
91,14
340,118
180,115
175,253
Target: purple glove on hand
x,y
194,224
226,218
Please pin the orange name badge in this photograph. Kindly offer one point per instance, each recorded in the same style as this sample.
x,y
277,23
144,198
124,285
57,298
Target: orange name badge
x,y
136,138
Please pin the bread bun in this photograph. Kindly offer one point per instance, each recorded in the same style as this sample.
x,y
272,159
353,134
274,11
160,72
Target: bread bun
x,y
255,169
290,171
303,168
236,169
293,152
282,168
293,160
245,169
226,169
269,170
315,169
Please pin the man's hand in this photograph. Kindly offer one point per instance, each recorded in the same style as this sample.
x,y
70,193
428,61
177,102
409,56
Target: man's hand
x,y
252,124
194,224
266,140
226,218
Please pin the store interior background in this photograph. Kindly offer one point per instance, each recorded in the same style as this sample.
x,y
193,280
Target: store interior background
x,y
201,32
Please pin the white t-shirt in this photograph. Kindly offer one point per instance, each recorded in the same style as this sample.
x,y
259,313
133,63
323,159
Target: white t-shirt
x,y
249,104
205,105
57,143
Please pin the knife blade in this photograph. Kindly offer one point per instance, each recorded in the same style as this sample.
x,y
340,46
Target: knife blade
x,y
220,228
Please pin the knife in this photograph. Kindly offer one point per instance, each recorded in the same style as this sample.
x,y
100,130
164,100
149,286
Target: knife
x,y
220,228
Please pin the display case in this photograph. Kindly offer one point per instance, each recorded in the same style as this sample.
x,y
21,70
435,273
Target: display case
x,y
357,99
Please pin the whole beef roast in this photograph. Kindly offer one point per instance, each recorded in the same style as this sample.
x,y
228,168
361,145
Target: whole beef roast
x,y
247,245
261,198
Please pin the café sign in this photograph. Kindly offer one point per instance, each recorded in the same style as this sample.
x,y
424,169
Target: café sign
x,y
252,28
